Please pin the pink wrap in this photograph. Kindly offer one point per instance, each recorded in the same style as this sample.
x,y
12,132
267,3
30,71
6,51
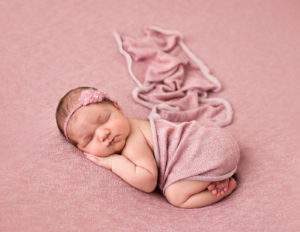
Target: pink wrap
x,y
192,150
174,84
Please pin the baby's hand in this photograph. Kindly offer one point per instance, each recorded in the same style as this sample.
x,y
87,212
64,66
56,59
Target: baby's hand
x,y
105,162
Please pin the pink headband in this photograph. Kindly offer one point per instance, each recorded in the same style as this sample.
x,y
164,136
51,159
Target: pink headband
x,y
87,97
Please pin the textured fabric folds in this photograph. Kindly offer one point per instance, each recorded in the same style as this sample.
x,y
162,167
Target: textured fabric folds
x,y
185,122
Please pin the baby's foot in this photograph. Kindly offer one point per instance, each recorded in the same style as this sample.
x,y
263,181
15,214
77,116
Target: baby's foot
x,y
219,187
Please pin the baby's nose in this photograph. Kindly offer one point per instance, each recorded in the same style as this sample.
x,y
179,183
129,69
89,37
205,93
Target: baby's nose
x,y
105,133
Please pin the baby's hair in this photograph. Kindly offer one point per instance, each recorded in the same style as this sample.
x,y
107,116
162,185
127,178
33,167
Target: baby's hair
x,y
67,104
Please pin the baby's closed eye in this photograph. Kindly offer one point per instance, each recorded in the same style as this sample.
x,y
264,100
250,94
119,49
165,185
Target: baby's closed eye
x,y
105,119
87,139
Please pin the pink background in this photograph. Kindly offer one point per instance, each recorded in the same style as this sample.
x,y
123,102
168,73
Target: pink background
x,y
49,47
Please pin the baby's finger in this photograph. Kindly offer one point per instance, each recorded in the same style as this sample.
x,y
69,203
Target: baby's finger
x,y
86,154
97,160
93,158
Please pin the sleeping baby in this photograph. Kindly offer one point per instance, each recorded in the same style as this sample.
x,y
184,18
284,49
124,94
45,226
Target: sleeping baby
x,y
191,163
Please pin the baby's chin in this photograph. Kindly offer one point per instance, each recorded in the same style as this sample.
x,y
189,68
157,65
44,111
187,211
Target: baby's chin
x,y
117,152
101,155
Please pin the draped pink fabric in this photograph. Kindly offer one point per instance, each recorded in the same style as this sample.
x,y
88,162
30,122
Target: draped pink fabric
x,y
175,85
167,72
192,151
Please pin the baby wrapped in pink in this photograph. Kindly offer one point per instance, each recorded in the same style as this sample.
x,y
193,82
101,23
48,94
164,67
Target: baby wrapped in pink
x,y
193,151
186,125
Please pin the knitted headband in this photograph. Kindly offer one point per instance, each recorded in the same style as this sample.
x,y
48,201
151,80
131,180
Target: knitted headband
x,y
87,97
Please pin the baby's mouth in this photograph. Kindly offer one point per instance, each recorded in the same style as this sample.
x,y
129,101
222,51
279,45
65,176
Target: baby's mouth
x,y
114,139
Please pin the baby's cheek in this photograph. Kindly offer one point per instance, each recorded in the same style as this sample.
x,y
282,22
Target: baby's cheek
x,y
96,152
98,149
121,124
91,149
117,125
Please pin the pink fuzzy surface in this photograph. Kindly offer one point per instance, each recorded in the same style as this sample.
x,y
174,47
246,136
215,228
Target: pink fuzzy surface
x,y
48,47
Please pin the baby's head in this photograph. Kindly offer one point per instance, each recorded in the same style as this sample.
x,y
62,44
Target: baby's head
x,y
92,122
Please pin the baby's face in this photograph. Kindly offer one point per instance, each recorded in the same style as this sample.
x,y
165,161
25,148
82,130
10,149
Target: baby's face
x,y
99,129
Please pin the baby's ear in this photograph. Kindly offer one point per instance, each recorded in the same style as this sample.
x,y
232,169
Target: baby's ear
x,y
117,105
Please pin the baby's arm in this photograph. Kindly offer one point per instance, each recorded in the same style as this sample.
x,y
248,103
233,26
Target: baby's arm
x,y
136,166
134,174
137,176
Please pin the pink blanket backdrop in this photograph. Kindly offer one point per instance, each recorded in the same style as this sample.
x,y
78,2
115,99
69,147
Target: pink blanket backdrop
x,y
48,47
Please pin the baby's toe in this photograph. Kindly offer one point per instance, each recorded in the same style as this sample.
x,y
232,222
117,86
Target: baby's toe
x,y
211,187
215,192
232,184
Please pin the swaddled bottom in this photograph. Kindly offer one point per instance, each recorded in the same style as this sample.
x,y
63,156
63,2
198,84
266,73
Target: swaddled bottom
x,y
193,151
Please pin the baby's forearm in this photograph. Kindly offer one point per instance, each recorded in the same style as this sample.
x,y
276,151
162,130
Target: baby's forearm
x,y
137,176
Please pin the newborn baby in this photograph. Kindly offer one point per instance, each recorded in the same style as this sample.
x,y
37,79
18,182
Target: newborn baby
x,y
96,125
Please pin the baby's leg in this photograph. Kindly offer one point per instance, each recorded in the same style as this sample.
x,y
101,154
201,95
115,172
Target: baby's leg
x,y
193,193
